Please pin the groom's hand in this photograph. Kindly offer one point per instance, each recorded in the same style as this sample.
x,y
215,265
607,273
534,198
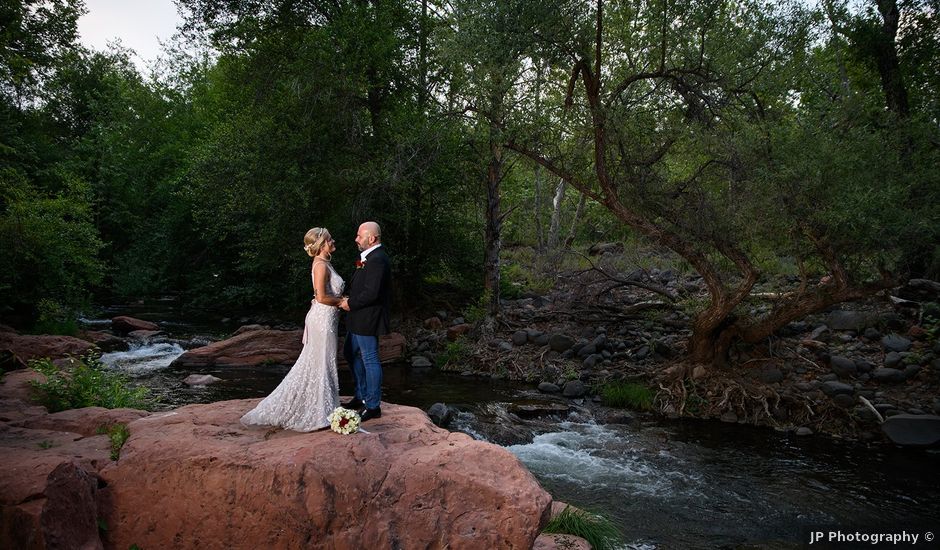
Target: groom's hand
x,y
344,305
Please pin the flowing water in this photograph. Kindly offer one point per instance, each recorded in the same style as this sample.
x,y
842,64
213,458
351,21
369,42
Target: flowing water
x,y
665,484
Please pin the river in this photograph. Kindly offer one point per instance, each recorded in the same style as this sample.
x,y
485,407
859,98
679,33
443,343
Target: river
x,y
665,484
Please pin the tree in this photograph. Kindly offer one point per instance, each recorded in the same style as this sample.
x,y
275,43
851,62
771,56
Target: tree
x,y
682,119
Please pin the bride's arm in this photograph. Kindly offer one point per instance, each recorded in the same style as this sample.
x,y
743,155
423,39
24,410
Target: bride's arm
x,y
321,276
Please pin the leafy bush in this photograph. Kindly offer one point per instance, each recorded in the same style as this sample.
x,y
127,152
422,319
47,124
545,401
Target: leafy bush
x,y
627,394
118,434
54,318
597,530
455,354
89,384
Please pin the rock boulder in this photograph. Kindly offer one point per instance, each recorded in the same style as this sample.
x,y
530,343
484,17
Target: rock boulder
x,y
196,475
123,324
270,347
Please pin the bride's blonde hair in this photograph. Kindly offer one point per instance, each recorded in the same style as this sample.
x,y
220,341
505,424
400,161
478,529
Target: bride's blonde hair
x,y
314,240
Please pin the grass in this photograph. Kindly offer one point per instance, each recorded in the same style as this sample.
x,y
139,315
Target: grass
x,y
597,530
627,395
46,444
455,354
88,384
118,434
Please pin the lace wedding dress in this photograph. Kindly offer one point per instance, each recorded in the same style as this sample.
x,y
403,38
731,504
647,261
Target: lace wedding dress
x,y
310,391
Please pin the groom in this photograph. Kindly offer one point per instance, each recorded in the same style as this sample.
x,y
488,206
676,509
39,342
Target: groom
x,y
368,305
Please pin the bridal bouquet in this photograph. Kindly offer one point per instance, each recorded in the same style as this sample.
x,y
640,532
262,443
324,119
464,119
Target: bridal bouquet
x,y
344,421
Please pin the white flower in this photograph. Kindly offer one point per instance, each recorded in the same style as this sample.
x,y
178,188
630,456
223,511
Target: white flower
x,y
344,421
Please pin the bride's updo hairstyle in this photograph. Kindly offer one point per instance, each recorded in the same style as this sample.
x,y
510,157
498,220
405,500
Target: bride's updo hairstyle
x,y
314,240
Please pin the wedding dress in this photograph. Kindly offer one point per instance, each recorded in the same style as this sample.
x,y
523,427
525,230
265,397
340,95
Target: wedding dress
x,y
310,391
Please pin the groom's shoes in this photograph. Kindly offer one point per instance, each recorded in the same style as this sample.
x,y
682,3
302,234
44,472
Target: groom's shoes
x,y
366,414
354,405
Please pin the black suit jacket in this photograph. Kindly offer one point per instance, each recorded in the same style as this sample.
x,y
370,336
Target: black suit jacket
x,y
370,295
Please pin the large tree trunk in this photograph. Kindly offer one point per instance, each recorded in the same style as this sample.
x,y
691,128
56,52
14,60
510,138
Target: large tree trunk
x,y
887,59
555,224
493,231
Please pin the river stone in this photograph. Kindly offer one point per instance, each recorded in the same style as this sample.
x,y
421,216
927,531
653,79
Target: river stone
x,y
803,431
850,320
888,375
535,409
560,342
770,374
591,360
588,332
541,339
872,334
642,353
864,366
589,349
843,366
832,388
843,400
829,377
913,430
893,342
600,342
548,387
520,337
820,333
440,414
729,417
420,362
910,371
892,359
574,388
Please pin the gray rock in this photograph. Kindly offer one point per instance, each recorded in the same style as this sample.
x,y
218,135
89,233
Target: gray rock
x,y
520,338
457,321
592,360
837,388
820,333
804,431
548,387
910,371
504,346
568,354
872,333
535,409
864,366
770,374
642,353
574,388
440,414
864,414
893,342
843,366
560,342
600,342
804,386
913,430
587,332
892,359
915,411
829,377
889,376
420,362
541,339
589,349
850,320
533,334
843,400
729,417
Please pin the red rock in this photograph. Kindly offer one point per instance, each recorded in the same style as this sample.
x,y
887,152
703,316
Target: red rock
x,y
433,323
271,347
87,421
196,475
917,332
124,324
104,340
24,347
456,331
248,328
15,385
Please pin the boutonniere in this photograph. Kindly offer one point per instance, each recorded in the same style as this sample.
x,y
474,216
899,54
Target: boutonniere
x,y
360,264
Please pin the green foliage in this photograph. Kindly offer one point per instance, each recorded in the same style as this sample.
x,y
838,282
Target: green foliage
x,y
455,354
627,395
599,531
46,444
476,311
118,435
55,319
87,384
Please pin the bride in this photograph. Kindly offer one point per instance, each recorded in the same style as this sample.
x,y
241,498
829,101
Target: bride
x,y
310,391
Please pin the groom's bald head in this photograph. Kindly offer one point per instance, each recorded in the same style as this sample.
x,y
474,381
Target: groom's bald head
x,y
369,235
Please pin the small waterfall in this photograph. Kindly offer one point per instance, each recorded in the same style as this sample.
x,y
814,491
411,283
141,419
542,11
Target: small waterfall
x,y
142,359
